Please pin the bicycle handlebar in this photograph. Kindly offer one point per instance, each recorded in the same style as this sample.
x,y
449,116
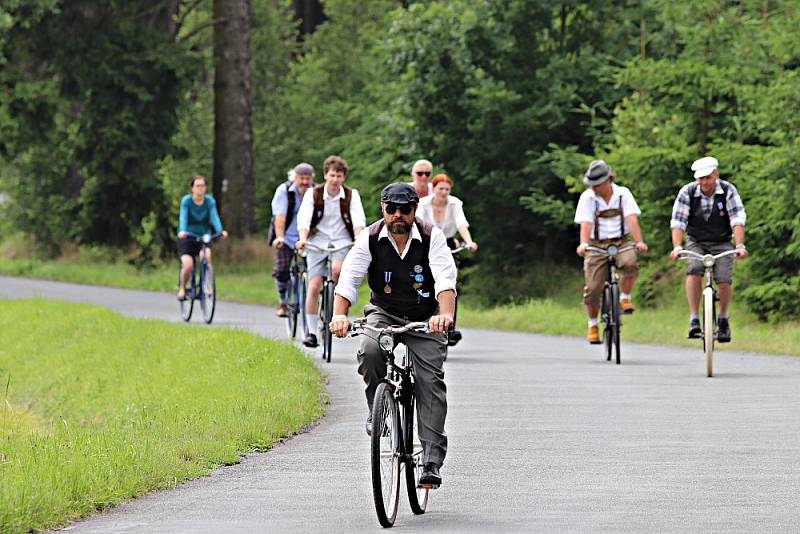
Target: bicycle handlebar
x,y
327,250
360,325
597,251
457,250
707,259
205,238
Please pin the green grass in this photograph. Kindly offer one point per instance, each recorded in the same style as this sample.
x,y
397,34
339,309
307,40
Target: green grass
x,y
561,314
99,408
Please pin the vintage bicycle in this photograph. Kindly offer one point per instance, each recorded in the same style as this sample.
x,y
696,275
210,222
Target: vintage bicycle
x,y
296,296
395,449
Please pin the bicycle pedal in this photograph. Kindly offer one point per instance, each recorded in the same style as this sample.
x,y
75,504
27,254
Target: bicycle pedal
x,y
428,486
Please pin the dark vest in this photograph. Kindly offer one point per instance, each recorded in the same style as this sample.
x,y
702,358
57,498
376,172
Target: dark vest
x,y
717,228
410,280
344,208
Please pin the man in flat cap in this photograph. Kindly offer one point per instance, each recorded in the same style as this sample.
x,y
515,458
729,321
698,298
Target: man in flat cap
x,y
607,215
283,232
709,211
411,273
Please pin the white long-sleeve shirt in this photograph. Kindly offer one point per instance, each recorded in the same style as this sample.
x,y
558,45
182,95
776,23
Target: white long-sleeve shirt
x,y
358,260
331,228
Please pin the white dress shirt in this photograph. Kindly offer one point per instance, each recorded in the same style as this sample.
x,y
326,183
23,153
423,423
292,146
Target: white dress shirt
x,y
358,260
609,226
454,217
330,229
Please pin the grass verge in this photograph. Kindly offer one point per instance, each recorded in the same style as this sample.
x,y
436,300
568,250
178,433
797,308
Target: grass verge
x,y
99,408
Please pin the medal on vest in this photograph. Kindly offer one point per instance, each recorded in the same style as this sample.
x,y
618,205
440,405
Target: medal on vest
x,y
387,277
418,269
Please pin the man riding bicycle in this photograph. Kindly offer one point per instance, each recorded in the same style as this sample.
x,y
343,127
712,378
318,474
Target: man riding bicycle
x,y
710,212
412,276
606,213
198,213
332,215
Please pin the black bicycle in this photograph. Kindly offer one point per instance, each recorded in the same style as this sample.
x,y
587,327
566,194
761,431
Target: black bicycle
x,y
203,287
326,298
296,296
610,309
394,443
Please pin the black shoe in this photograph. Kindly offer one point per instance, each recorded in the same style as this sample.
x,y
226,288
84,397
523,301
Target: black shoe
x,y
694,329
724,332
453,337
311,341
430,475
368,425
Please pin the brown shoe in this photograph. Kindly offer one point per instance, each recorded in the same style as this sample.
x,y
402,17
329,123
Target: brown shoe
x,y
593,336
283,311
626,306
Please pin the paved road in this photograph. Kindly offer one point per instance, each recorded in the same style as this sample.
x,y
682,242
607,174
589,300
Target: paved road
x,y
544,437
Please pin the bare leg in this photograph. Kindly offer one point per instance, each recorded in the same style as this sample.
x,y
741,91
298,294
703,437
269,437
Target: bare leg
x,y
592,310
187,264
693,293
626,283
725,293
312,298
337,268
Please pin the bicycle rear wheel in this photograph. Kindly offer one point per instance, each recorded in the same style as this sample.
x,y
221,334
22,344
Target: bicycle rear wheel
x,y
616,320
208,297
187,305
709,325
327,335
385,455
417,497
292,305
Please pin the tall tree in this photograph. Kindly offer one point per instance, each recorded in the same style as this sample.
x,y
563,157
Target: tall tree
x,y
233,132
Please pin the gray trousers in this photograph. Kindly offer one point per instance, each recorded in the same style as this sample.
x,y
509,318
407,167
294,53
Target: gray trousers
x,y
427,355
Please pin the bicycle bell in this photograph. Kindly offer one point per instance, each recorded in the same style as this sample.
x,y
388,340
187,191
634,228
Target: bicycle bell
x,y
708,260
386,341
612,250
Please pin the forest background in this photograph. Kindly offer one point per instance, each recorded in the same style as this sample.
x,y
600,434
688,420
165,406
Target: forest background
x,y
107,108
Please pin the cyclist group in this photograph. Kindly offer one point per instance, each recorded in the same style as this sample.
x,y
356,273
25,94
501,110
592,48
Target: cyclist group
x,y
406,257
708,211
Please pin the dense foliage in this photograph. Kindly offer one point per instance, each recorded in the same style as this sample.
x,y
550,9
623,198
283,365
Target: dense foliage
x,y
511,98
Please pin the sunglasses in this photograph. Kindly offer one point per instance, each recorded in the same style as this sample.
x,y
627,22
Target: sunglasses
x,y
422,173
405,209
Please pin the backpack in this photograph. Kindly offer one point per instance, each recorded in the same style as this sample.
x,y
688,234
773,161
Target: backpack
x,y
290,197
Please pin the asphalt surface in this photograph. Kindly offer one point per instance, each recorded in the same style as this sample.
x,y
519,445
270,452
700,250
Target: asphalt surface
x,y
545,436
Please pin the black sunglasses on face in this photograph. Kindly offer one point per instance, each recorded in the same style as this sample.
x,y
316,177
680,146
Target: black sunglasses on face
x,y
405,209
423,173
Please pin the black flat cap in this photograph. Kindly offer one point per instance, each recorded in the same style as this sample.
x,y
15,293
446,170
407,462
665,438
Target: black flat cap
x,y
399,193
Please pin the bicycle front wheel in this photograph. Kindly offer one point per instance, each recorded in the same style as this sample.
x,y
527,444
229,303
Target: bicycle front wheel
x,y
417,497
708,329
187,304
327,311
292,305
385,455
208,299
607,320
616,320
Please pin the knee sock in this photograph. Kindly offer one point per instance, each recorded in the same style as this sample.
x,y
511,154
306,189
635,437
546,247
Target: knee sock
x,y
313,322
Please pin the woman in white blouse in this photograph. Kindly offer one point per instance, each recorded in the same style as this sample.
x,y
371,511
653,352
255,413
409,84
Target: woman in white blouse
x,y
446,211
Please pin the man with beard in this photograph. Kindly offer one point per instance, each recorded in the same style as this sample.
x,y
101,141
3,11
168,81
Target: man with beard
x,y
412,277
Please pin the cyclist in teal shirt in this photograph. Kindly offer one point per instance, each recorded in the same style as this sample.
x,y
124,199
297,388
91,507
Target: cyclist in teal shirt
x,y
197,216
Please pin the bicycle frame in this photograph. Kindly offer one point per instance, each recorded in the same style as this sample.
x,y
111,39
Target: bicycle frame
x,y
197,287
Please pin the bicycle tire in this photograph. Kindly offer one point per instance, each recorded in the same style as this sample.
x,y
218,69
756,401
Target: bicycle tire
x,y
327,335
385,444
187,304
292,305
417,497
303,295
208,293
606,313
616,320
708,329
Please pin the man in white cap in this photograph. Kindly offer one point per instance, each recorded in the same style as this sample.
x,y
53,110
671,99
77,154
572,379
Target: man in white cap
x,y
607,214
709,211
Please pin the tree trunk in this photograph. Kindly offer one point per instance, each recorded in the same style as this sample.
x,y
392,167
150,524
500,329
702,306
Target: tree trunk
x,y
310,14
233,184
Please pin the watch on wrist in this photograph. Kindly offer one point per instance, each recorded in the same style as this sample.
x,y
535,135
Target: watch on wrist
x,y
741,246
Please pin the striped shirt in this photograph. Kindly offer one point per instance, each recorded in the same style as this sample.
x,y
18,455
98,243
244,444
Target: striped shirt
x,y
682,206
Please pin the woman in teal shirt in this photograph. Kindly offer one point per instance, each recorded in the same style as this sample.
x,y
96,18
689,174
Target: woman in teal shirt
x,y
197,216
